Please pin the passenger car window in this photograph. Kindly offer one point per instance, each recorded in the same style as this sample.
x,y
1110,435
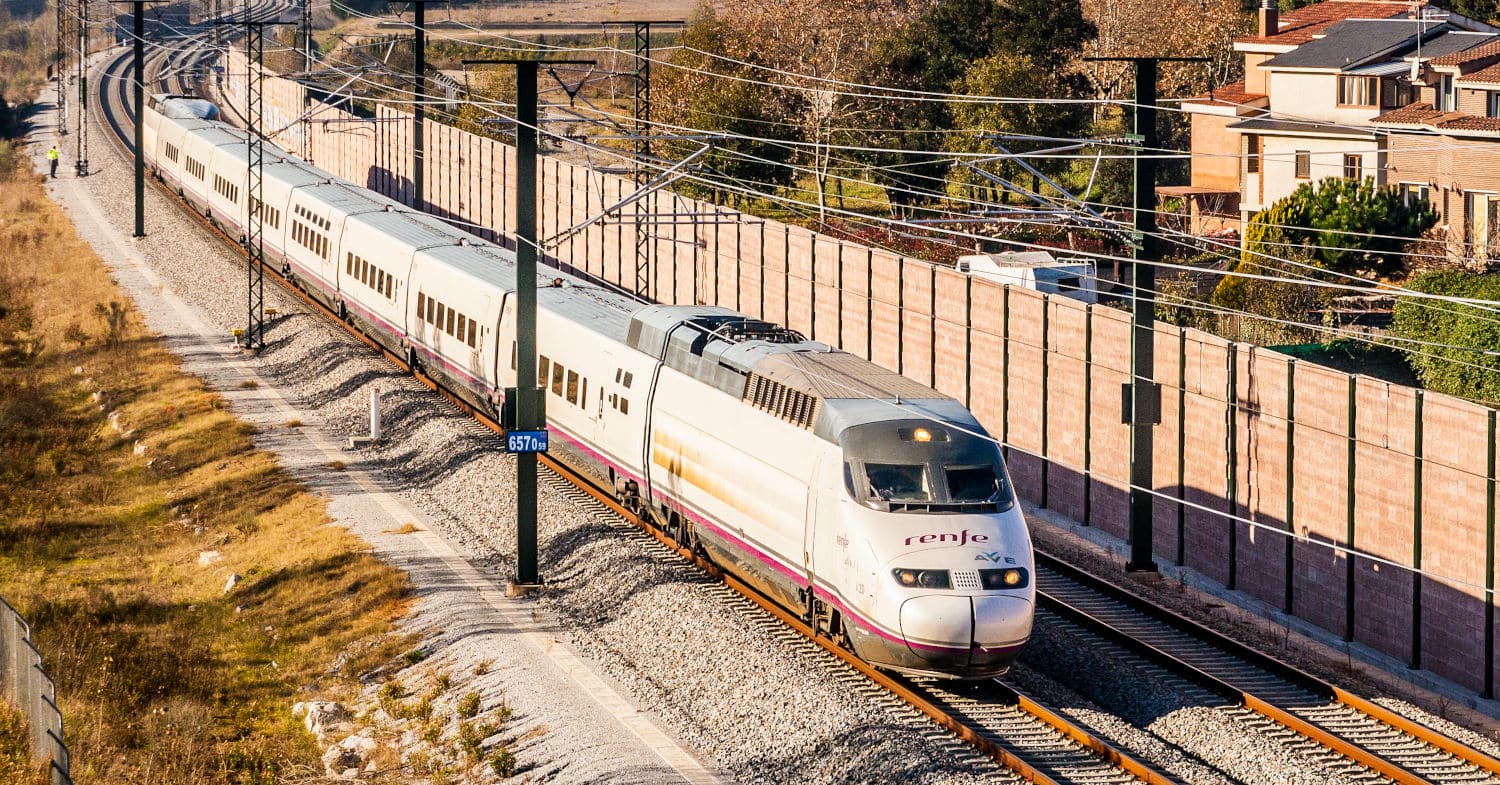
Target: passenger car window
x,y
572,387
557,379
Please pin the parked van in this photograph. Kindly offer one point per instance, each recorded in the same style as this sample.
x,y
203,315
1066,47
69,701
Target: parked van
x,y
1036,270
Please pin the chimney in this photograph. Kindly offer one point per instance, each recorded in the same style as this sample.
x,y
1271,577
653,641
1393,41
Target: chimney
x,y
1270,18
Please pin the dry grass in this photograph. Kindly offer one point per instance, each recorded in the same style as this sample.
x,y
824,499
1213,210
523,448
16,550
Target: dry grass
x,y
16,765
162,678
337,466
405,528
249,384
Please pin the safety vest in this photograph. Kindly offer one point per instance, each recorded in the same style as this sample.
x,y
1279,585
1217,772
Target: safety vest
x,y
52,154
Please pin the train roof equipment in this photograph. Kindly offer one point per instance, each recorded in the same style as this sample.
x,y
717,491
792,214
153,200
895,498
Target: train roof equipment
x,y
1036,270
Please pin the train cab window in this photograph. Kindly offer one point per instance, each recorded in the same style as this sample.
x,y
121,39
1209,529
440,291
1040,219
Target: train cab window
x,y
972,483
572,395
897,481
557,379
473,334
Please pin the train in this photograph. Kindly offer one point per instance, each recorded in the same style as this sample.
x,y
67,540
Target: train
x,y
874,507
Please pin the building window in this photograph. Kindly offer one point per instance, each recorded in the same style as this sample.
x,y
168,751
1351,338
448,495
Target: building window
x,y
1304,165
1492,104
1396,93
1357,90
1352,166
1252,154
1413,193
1447,93
1481,223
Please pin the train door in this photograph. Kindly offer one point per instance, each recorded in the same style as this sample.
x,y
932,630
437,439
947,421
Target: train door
x,y
825,546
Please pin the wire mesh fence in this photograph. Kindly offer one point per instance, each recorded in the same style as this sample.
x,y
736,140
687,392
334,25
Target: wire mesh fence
x,y
25,683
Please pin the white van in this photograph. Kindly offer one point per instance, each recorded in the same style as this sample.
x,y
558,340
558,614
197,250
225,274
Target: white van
x,y
1036,270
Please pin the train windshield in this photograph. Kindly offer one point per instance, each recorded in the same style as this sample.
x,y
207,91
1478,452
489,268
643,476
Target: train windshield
x,y
898,482
973,483
923,467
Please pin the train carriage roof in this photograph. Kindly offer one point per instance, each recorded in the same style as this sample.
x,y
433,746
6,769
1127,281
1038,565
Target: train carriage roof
x,y
404,227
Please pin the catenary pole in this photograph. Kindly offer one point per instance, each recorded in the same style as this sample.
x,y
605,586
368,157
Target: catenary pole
x,y
1142,392
529,414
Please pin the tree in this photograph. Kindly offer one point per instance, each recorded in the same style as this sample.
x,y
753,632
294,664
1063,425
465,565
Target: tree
x,y
1018,76
1349,226
1048,32
1459,340
1479,10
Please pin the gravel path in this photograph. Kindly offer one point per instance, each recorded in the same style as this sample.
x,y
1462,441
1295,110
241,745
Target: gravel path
x,y
730,689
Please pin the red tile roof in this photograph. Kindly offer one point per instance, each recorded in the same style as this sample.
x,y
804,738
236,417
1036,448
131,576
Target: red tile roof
x,y
1491,49
1487,75
1470,123
1301,25
1228,95
1413,113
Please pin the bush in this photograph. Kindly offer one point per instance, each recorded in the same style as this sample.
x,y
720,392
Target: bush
x,y
1464,364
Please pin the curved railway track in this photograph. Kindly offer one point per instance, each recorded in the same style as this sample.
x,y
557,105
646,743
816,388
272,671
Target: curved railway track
x,y
1036,743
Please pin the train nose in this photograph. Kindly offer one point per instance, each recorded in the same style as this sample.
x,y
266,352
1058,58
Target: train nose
x,y
959,633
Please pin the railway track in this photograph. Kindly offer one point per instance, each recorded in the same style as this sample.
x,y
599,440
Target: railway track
x,y
1034,742
1284,702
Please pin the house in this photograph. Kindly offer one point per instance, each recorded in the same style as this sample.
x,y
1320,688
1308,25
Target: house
x,y
1316,81
1445,147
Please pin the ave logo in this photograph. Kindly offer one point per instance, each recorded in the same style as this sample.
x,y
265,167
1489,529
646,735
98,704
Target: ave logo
x,y
995,557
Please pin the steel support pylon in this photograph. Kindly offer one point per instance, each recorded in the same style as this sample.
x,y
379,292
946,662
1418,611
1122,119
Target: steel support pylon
x,y
642,112
255,304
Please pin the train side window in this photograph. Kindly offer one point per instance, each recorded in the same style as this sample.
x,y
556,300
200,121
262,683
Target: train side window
x,y
421,303
628,378
557,379
513,355
624,406
463,326
431,311
583,395
618,371
544,367
473,334
572,387
450,322
349,263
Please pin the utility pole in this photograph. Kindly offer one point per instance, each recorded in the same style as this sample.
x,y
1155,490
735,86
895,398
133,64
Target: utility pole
x,y
307,37
81,160
526,429
139,57
419,106
1142,393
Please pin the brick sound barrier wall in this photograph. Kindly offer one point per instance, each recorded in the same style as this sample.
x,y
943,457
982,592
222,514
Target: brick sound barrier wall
x,y
1337,484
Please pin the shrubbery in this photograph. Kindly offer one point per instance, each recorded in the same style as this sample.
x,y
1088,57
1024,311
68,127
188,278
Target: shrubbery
x,y
1471,368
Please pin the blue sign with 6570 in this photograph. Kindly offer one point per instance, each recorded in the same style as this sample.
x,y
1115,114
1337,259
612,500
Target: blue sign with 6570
x,y
526,441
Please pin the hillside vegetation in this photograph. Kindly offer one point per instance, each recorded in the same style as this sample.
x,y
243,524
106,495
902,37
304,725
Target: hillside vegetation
x,y
128,496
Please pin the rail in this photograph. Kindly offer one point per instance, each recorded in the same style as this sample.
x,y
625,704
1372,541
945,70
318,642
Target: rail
x,y
25,683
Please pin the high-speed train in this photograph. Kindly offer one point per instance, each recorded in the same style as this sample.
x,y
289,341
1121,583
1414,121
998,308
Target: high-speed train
x,y
875,507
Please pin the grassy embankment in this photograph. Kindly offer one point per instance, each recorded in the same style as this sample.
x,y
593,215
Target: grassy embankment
x,y
163,676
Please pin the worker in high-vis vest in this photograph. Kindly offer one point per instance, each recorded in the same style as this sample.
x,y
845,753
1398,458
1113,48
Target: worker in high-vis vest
x,y
52,160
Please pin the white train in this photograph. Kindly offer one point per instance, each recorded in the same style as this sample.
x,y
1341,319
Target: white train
x,y
874,506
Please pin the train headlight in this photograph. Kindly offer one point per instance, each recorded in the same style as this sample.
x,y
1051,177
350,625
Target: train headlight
x,y
1011,578
923,579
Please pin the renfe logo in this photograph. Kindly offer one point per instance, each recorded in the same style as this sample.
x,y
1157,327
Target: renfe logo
x,y
961,538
